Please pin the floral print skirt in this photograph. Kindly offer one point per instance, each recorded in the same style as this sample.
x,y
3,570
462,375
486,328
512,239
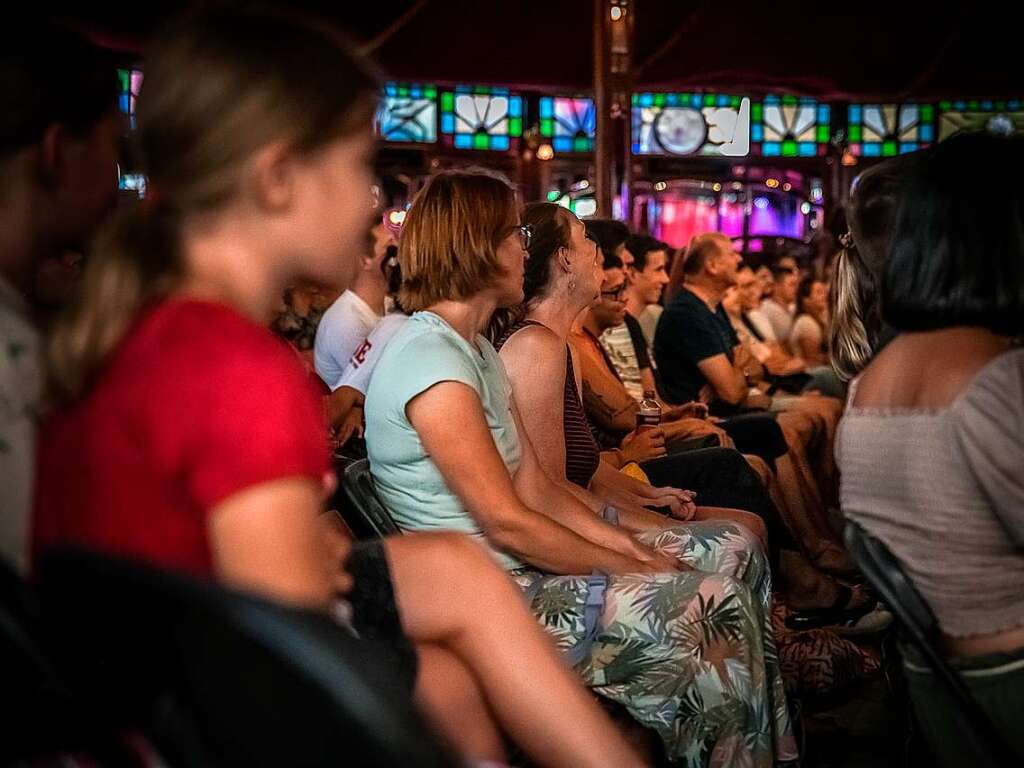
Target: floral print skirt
x,y
690,654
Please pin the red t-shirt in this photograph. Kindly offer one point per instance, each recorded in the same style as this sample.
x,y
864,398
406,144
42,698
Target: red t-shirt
x,y
196,404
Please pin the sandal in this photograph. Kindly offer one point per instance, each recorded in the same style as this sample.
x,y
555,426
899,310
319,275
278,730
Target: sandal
x,y
837,616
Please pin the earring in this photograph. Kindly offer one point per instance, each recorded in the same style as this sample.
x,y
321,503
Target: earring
x,y
572,285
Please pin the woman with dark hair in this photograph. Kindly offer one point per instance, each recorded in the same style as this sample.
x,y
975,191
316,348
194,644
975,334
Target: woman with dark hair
x,y
449,450
807,339
932,445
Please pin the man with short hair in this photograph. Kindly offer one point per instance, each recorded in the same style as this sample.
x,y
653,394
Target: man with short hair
x,y
349,320
60,132
648,278
611,409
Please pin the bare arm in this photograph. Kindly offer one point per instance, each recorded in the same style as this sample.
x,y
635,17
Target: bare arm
x,y
467,458
577,512
535,361
341,402
605,400
270,539
727,382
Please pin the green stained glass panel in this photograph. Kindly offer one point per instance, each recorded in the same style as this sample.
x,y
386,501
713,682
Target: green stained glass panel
x,y
789,148
855,133
889,149
481,141
448,101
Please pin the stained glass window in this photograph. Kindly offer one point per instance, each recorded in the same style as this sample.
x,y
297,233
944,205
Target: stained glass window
x,y
691,124
885,130
790,126
1002,116
407,113
570,123
479,117
131,83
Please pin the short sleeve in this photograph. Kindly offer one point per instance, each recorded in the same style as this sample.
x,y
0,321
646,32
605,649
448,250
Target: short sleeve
x,y
636,333
425,360
255,417
989,427
695,336
364,360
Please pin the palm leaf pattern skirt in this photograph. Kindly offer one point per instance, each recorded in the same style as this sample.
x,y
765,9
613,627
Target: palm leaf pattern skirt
x,y
691,654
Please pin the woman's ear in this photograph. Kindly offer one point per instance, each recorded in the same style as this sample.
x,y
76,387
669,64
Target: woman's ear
x,y
564,259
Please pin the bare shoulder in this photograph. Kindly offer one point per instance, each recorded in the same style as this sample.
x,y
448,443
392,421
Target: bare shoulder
x,y
535,344
927,370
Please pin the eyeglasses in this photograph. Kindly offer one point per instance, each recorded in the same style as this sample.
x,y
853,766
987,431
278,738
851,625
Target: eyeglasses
x,y
615,294
525,235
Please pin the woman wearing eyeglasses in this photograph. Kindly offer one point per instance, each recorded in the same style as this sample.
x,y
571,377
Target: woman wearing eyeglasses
x,y
684,651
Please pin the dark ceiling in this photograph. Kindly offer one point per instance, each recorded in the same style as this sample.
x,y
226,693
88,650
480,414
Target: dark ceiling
x,y
956,50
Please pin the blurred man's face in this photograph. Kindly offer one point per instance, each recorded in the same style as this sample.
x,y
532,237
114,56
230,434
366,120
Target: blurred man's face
x,y
610,308
652,279
725,262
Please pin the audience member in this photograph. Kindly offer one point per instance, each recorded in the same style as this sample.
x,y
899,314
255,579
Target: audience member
x,y
188,435
932,444
648,278
807,339
349,320
626,344
857,331
59,137
448,451
779,308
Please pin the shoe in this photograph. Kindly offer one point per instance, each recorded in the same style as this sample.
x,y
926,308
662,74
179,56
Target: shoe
x,y
840,616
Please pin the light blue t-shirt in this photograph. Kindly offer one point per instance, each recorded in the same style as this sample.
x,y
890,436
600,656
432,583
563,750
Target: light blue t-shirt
x,y
427,351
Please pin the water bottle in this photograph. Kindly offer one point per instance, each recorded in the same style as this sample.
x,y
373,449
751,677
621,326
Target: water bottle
x,y
649,415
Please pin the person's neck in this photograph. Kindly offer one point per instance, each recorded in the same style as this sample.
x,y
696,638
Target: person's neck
x,y
706,291
635,304
370,289
557,313
469,318
590,324
223,265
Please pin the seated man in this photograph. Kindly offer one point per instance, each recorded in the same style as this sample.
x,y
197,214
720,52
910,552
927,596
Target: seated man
x,y
610,407
648,277
350,319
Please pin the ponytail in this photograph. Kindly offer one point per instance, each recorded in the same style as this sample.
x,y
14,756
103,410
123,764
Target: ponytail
x,y
136,260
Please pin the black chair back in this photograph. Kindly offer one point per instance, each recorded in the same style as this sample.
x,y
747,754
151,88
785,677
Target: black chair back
x,y
371,517
919,626
37,708
215,677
